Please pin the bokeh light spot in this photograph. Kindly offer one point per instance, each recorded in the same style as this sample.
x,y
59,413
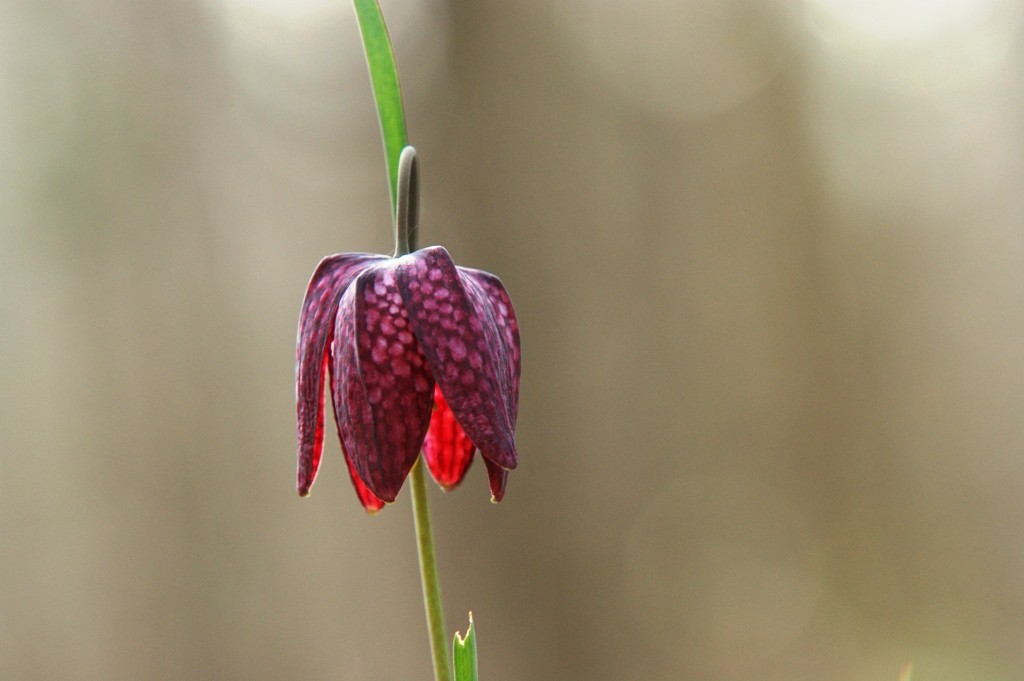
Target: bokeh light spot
x,y
900,19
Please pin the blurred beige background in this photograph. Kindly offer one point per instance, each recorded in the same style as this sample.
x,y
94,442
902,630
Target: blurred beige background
x,y
768,260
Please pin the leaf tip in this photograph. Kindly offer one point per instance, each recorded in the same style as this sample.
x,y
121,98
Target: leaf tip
x,y
461,640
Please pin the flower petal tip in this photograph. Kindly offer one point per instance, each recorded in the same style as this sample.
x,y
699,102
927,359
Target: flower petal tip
x,y
497,478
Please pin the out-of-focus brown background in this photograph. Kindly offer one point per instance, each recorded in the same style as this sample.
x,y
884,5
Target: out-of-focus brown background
x,y
768,259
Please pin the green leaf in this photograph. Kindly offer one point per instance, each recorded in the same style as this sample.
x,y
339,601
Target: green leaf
x,y
387,93
464,654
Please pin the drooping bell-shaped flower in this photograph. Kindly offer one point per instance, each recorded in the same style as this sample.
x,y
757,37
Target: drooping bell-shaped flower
x,y
421,355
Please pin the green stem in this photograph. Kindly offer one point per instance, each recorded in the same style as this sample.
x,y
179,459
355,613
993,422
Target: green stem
x,y
402,180
387,93
428,572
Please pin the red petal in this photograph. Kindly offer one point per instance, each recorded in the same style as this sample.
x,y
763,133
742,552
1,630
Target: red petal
x,y
316,326
447,449
382,388
465,348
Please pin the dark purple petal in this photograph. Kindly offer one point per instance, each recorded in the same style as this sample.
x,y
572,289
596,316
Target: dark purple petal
x,y
501,305
382,388
368,499
497,297
464,347
316,326
496,476
447,449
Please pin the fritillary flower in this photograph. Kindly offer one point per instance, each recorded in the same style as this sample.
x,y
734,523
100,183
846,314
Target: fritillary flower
x,y
421,355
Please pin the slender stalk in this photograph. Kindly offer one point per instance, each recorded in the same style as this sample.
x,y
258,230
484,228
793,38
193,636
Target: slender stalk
x,y
387,92
407,194
404,185
428,574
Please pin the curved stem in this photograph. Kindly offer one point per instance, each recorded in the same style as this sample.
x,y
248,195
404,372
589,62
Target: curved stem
x,y
387,93
428,573
407,203
402,176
